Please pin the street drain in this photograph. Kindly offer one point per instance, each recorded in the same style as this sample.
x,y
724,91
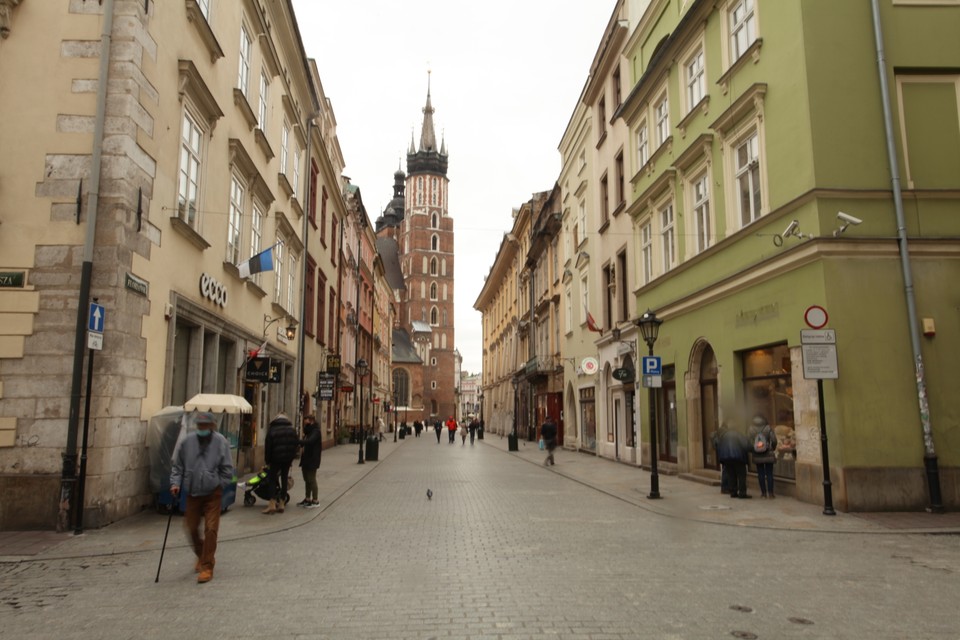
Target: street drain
x,y
800,621
744,634
715,507
740,607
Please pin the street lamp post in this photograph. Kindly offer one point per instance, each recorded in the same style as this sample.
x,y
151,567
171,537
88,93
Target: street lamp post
x,y
482,424
361,371
396,398
649,325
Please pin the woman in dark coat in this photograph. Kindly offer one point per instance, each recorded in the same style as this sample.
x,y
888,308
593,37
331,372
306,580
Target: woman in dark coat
x,y
310,461
279,448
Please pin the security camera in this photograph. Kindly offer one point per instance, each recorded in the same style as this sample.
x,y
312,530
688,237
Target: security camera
x,y
849,219
791,228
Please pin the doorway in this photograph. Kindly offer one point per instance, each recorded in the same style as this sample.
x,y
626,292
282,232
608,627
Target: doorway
x,y
709,407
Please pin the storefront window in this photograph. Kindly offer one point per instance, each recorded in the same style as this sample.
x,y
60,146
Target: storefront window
x,y
669,433
768,391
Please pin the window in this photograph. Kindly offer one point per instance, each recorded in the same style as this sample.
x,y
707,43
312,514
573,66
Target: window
x,y
310,297
604,200
256,236
321,309
433,290
401,387
332,320
434,221
622,289
667,237
742,28
433,266
584,298
617,91
323,220
646,251
696,80
419,190
292,283
278,257
609,296
568,309
643,145
602,118
296,170
434,316
661,118
191,159
333,239
434,242
235,221
433,191
312,200
621,182
747,164
246,44
284,146
581,223
433,384
264,96
701,211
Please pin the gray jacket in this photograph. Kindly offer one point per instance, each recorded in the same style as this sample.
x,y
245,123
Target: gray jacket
x,y
770,456
199,469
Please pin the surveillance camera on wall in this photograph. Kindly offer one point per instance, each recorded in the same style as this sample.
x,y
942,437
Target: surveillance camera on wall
x,y
849,219
791,229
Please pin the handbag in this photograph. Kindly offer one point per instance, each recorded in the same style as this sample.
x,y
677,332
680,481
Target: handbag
x,y
541,444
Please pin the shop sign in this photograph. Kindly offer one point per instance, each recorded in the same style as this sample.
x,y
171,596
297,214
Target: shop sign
x,y
325,386
623,374
212,290
333,363
262,369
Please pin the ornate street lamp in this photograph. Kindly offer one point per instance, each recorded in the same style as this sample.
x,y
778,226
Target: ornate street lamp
x,y
361,371
649,325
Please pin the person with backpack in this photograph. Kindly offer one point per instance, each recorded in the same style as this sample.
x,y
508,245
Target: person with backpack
x,y
279,448
764,444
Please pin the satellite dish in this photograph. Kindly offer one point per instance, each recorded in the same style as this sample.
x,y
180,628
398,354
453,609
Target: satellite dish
x,y
589,365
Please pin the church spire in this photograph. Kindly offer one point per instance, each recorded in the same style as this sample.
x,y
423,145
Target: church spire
x,y
428,139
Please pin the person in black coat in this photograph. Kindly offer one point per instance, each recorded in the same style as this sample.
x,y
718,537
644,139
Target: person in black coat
x,y
280,448
310,461
732,453
548,431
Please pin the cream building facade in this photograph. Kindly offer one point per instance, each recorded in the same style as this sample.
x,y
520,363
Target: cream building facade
x,y
169,145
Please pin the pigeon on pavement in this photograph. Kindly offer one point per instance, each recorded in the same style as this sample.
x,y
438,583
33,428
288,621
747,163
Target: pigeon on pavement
x,y
429,494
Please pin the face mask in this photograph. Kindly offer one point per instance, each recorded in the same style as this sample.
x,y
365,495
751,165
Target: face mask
x,y
203,433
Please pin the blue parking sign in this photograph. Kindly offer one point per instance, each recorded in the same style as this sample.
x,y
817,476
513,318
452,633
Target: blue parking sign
x,y
651,366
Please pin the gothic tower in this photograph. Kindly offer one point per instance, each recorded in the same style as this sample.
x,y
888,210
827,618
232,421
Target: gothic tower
x,y
426,258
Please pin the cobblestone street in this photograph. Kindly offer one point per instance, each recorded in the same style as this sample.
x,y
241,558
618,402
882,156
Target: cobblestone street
x,y
504,549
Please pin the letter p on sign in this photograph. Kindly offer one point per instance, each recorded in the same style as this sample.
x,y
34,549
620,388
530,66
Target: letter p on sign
x,y
651,365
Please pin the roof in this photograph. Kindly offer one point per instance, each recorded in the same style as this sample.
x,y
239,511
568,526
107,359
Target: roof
x,y
403,350
390,256
421,327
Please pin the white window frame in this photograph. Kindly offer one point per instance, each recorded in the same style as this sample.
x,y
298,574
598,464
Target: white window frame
x,y
581,222
296,169
284,146
695,75
584,297
668,238
264,98
568,309
646,250
245,60
278,258
190,174
256,234
702,222
747,173
643,144
204,8
237,204
661,118
292,283
742,22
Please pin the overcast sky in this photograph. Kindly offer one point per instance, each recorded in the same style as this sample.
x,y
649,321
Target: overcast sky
x,y
505,78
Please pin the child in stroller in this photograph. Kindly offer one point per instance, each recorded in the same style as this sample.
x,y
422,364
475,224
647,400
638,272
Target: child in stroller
x,y
259,486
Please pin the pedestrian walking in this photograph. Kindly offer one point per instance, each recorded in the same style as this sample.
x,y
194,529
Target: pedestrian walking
x,y
417,428
438,428
201,467
463,435
474,425
280,448
548,431
732,452
764,445
310,461
724,469
451,429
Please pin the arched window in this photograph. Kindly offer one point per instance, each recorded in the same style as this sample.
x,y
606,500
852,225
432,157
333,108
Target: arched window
x,y
443,267
435,242
433,266
433,221
424,264
433,316
443,341
433,290
401,387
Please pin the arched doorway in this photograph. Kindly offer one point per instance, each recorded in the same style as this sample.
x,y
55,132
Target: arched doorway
x,y
709,406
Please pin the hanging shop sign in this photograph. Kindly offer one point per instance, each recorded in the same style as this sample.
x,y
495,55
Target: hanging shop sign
x,y
263,369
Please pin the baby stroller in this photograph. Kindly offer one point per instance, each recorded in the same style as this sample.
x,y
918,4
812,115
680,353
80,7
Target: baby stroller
x,y
259,486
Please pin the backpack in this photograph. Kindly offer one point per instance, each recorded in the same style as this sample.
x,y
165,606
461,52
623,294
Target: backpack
x,y
761,443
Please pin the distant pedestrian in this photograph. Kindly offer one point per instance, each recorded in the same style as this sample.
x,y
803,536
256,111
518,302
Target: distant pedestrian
x,y
310,461
438,428
451,429
548,431
380,428
463,434
474,425
763,444
201,467
732,452
279,448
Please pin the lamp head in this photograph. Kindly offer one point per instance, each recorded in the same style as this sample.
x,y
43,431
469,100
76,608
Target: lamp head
x,y
649,325
362,367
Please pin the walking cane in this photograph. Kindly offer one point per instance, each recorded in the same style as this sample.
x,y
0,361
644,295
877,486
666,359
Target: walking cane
x,y
164,547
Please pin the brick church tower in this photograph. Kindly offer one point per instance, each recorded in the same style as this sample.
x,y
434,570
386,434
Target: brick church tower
x,y
424,342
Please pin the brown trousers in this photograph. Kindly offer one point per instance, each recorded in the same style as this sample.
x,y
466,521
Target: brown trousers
x,y
207,508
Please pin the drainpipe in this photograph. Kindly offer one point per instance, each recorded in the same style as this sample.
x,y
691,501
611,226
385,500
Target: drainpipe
x,y
303,278
68,477
929,452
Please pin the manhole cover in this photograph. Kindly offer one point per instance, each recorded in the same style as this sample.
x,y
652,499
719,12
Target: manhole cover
x,y
715,507
800,621
740,607
744,634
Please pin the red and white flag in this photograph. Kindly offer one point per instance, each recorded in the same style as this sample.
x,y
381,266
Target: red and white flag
x,y
591,323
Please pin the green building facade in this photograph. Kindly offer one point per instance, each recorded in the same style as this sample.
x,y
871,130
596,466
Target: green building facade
x,y
753,125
